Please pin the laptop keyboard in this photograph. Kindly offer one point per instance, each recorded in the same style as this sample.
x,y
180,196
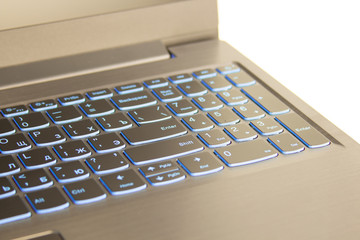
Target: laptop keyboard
x,y
85,147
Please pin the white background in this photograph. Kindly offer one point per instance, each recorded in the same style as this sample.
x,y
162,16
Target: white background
x,y
310,46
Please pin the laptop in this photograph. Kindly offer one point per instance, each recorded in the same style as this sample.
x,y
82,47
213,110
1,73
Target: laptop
x,y
132,120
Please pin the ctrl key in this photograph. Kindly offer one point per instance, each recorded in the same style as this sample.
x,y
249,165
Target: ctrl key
x,y
13,209
84,192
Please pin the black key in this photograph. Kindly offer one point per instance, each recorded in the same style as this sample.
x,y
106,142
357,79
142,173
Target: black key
x,y
206,73
159,151
64,115
47,200
33,180
197,123
208,102
133,100
13,209
200,164
43,105
107,163
96,108
47,136
123,182
107,142
241,79
8,165
149,114
6,188
129,88
99,94
72,150
71,99
154,132
246,153
241,132
181,78
167,94
182,108
267,126
308,135
217,84
81,129
14,111
69,172
31,121
214,138
286,143
232,68
266,100
158,168
156,83
5,127
84,192
14,143
37,158
114,122
249,111
166,178
232,97
192,89
224,117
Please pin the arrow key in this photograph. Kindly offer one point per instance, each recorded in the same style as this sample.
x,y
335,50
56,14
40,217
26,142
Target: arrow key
x,y
166,178
159,168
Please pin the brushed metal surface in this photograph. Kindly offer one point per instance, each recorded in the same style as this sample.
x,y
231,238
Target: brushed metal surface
x,y
310,195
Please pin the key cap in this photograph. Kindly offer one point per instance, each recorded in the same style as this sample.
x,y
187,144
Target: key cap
x,y
267,126
37,158
14,111
8,166
13,209
64,115
158,168
246,153
167,178
84,192
301,129
286,143
114,122
33,180
249,111
6,188
99,94
71,99
6,128
207,102
149,114
107,163
214,138
224,117
232,68
217,84
206,73
96,108
47,200
192,89
200,164
266,100
47,136
129,88
43,105
181,78
232,97
31,121
133,100
198,123
81,129
69,172
159,151
154,132
156,83
72,150
241,132
107,142
241,79
182,108
14,143
123,182
167,94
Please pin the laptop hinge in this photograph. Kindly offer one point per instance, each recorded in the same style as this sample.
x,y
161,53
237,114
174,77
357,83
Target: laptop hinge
x,y
85,63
